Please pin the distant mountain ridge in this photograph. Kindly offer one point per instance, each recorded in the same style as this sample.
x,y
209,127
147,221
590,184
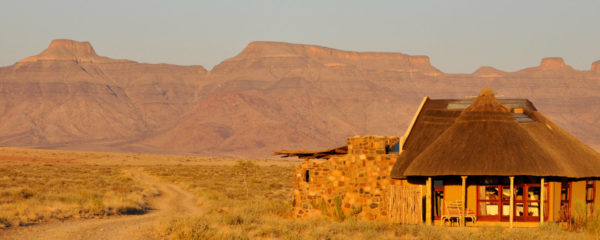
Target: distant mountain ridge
x,y
270,96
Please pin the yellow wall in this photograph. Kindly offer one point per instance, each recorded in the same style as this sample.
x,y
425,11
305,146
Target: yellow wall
x,y
453,193
472,197
554,201
597,199
577,195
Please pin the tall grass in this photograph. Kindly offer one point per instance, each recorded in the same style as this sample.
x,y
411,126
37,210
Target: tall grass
x,y
33,193
584,219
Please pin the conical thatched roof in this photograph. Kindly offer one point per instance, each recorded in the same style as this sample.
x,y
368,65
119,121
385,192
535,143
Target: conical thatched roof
x,y
486,139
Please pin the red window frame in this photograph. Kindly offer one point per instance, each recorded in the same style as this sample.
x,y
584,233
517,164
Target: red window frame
x,y
590,185
500,203
565,203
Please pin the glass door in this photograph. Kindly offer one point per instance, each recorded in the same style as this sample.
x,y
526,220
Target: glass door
x,y
493,202
488,202
527,202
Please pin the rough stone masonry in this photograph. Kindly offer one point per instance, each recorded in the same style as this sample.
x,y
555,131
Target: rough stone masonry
x,y
352,185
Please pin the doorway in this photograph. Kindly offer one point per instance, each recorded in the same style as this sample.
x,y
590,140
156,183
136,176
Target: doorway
x,y
527,202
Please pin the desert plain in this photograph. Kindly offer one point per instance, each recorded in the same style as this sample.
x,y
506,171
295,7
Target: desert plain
x,y
58,194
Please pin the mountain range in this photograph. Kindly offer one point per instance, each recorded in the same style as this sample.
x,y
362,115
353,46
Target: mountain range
x,y
271,96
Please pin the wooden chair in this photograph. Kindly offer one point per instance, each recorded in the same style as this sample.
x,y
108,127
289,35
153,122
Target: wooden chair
x,y
470,214
454,212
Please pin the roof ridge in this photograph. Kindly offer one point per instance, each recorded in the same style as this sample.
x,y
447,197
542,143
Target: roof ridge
x,y
486,102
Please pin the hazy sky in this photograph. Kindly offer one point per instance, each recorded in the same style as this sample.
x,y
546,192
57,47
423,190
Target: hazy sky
x,y
458,36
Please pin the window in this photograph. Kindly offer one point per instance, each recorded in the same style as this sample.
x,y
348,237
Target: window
x,y
307,176
590,193
493,202
565,201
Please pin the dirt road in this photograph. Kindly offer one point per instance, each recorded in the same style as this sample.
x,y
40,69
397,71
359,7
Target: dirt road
x,y
173,201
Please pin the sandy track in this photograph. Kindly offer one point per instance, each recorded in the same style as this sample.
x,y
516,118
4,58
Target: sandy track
x,y
173,201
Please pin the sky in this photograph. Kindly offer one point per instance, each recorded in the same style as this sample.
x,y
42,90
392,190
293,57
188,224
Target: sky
x,y
458,36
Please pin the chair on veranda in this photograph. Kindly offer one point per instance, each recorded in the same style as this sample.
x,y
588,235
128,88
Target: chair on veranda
x,y
454,212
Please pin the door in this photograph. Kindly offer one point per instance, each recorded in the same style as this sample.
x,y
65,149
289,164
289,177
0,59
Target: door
x,y
438,199
493,202
527,202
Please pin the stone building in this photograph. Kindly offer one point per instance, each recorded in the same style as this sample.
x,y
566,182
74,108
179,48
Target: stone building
x,y
347,183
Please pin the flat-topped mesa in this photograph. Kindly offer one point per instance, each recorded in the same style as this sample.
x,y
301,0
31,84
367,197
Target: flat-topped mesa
x,y
488,72
596,67
261,49
67,50
550,64
419,60
334,57
553,62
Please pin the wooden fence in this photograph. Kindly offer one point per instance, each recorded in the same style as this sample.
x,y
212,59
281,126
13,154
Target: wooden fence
x,y
405,204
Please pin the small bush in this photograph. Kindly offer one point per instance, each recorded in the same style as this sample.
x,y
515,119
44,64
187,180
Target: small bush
x,y
187,228
4,222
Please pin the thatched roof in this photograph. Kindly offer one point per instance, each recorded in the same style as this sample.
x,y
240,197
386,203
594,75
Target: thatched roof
x,y
325,154
486,138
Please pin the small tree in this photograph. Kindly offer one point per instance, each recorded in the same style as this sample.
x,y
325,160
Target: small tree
x,y
245,169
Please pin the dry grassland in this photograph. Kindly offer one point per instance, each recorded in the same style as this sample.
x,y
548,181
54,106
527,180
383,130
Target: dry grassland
x,y
265,212
32,193
240,199
37,186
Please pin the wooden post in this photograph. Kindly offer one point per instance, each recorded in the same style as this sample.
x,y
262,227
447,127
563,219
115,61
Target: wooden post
x,y
512,201
428,201
542,198
464,200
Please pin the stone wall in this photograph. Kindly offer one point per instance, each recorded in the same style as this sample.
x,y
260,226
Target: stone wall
x,y
348,185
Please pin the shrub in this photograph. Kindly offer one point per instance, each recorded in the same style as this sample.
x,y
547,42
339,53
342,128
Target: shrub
x,y
187,228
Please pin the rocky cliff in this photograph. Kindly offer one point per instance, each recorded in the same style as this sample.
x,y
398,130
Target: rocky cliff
x,y
270,96
69,97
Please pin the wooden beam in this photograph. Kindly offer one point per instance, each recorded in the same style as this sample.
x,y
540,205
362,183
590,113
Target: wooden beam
x,y
542,198
463,198
428,215
512,201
